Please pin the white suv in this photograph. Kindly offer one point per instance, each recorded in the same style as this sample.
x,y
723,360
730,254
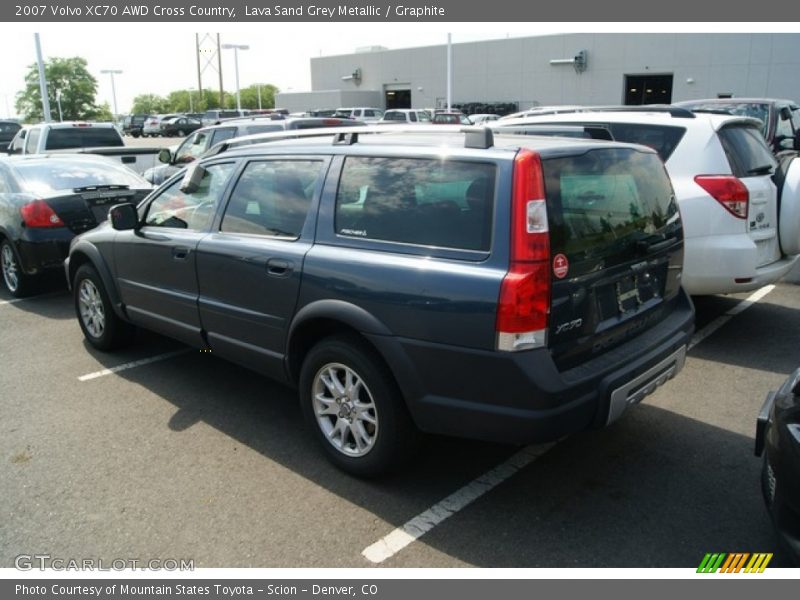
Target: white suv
x,y
365,114
742,231
405,116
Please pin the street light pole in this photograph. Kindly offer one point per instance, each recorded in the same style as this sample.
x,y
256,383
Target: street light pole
x,y
58,100
42,80
258,87
191,106
113,72
236,48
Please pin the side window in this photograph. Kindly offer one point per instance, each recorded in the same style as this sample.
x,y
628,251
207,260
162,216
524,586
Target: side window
x,y
662,139
272,198
192,147
18,143
219,135
413,117
417,201
33,140
784,127
176,209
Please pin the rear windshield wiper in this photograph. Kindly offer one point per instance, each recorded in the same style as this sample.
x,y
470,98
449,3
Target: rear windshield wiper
x,y
762,170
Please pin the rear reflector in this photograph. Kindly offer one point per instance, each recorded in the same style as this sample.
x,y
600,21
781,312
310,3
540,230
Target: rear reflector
x,y
39,214
728,190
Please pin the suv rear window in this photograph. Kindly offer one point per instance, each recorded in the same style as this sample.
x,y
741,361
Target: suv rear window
x,y
661,138
83,137
428,202
747,152
602,203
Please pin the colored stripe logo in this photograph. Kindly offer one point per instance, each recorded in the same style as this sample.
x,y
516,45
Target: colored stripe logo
x,y
737,562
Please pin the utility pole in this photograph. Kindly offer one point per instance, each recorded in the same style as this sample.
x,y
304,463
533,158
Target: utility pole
x,y
113,72
42,80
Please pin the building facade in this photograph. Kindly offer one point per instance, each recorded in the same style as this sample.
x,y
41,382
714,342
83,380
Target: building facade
x,y
576,68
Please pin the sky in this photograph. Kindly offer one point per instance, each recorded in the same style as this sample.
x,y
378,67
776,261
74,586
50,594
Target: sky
x,y
160,57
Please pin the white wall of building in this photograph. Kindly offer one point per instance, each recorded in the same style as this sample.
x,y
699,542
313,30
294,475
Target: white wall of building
x,y
519,69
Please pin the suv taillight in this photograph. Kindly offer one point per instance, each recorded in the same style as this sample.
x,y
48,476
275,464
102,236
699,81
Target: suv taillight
x,y
728,191
524,305
39,214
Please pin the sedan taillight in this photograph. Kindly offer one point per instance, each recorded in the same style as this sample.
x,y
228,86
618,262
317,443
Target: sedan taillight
x,y
38,214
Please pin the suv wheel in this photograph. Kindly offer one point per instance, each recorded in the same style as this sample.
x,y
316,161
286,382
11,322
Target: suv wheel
x,y
353,405
100,324
17,282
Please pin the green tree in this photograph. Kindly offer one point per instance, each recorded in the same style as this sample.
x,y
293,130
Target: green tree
x,y
249,96
70,77
150,104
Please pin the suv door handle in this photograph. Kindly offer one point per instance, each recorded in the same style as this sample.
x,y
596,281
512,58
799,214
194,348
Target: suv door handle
x,y
180,252
279,267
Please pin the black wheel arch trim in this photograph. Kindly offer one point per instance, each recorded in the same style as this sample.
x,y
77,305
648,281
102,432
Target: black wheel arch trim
x,y
375,332
94,258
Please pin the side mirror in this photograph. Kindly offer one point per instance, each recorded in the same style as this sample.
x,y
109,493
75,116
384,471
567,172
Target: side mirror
x,y
123,217
165,156
191,180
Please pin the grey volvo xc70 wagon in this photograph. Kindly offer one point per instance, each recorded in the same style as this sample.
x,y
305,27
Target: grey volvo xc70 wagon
x,y
505,288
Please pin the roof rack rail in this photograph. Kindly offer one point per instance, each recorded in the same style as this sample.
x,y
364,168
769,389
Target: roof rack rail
x,y
675,111
345,138
478,137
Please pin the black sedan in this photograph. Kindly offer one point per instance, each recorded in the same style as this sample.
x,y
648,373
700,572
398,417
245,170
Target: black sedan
x,y
46,200
179,126
778,439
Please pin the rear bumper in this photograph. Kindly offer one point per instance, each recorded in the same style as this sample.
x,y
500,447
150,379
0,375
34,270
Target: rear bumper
x,y
43,249
522,398
712,265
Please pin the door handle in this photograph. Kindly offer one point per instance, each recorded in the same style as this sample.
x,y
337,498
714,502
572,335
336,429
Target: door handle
x,y
180,252
279,267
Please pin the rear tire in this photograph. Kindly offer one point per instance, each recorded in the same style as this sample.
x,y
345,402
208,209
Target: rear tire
x,y
17,282
101,326
352,403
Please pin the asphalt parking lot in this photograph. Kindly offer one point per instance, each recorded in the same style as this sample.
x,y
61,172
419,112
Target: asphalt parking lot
x,y
191,457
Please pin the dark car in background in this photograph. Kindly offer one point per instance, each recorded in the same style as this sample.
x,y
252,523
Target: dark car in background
x,y
203,139
778,440
780,118
179,126
8,129
132,125
399,280
46,200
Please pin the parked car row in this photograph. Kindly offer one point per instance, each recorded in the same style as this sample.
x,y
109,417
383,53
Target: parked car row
x,y
555,253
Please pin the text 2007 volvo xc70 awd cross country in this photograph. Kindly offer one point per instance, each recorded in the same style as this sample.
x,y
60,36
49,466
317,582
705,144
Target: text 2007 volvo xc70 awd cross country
x,y
505,288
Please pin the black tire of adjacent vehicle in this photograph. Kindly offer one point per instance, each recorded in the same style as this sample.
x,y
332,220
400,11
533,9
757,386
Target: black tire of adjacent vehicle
x,y
181,133
26,284
397,438
116,332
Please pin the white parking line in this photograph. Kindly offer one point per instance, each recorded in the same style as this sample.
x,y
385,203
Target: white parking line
x,y
401,537
714,325
39,297
132,365
412,530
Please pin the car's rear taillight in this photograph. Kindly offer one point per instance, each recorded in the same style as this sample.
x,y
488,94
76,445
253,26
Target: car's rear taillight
x,y
524,305
39,214
728,190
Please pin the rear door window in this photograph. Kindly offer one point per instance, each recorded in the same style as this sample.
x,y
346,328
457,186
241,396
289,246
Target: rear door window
x,y
32,140
427,202
272,198
747,152
221,134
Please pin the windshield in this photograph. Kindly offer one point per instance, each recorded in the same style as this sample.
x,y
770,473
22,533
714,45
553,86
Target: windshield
x,y
53,175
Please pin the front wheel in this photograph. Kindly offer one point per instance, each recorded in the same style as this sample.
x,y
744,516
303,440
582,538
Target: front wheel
x,y
101,326
353,405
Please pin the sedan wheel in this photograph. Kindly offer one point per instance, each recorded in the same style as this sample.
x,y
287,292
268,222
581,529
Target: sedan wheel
x,y
17,282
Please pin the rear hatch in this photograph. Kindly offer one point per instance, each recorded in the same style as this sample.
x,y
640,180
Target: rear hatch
x,y
616,246
753,164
